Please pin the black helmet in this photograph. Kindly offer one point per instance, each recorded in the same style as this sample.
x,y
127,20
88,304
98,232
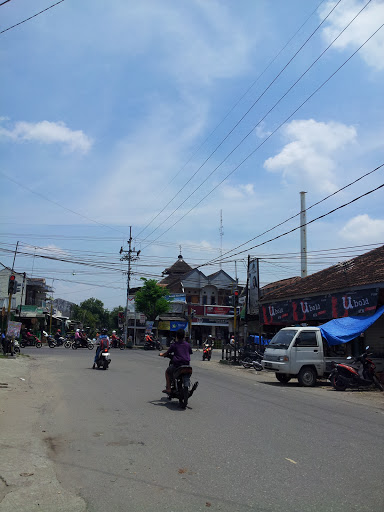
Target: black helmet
x,y
104,331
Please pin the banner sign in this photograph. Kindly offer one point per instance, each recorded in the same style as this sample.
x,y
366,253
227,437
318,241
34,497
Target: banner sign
x,y
175,326
325,307
169,325
163,325
253,289
14,329
177,297
148,326
209,321
219,310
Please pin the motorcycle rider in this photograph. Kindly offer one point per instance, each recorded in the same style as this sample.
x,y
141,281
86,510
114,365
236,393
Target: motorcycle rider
x,y
180,351
114,339
103,344
78,337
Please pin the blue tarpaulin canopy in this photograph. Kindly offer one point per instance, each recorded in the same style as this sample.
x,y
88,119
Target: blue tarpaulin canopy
x,y
342,330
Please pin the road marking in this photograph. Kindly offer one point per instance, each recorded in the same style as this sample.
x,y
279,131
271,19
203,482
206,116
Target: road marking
x,y
290,460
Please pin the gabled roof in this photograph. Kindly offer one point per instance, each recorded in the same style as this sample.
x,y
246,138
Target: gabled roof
x,y
367,269
211,277
179,267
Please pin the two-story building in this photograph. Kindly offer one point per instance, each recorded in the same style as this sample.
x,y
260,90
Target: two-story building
x,y
207,309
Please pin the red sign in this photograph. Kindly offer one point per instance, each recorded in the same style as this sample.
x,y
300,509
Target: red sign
x,y
219,310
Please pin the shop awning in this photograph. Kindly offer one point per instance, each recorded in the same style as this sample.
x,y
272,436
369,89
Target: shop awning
x,y
342,330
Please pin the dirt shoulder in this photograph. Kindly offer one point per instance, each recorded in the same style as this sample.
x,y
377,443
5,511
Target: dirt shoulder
x,y
27,476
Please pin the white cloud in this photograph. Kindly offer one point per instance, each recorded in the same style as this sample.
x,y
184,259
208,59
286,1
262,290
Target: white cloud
x,y
364,26
46,132
364,229
310,156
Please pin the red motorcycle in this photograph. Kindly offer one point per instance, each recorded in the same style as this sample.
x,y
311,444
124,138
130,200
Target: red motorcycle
x,y
345,376
207,352
30,340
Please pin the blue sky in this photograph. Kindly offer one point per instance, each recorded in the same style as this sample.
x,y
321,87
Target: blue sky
x,y
111,110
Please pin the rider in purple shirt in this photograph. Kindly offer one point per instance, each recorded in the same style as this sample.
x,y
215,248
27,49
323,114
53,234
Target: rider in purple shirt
x,y
180,352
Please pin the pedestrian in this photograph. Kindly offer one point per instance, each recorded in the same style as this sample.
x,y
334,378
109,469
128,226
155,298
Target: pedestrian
x,y
3,342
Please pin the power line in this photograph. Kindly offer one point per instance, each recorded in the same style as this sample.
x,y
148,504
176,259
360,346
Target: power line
x,y
34,16
309,222
259,122
58,204
312,206
227,115
269,136
235,126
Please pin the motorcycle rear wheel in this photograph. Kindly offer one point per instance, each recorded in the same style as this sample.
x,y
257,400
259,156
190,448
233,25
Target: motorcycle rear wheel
x,y
90,346
105,365
22,345
378,383
74,346
339,384
67,344
38,344
184,399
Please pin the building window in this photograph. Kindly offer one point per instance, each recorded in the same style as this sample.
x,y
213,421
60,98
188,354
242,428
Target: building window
x,y
189,299
213,300
204,299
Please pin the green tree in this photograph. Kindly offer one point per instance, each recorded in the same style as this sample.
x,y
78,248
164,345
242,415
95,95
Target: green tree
x,y
150,299
91,313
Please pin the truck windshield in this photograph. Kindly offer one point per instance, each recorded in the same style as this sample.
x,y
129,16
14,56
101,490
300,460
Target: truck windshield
x,y
282,339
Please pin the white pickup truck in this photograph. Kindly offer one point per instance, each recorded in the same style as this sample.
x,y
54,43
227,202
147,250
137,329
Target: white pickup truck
x,y
298,352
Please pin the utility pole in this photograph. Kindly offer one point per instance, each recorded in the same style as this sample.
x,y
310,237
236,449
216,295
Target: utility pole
x,y
11,291
131,255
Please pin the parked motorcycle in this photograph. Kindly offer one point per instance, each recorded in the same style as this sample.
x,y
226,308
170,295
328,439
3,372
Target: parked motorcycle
x,y
181,385
30,341
345,376
82,344
207,352
104,360
16,347
252,360
153,345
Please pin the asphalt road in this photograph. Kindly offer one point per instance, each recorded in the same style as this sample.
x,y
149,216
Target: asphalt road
x,y
245,443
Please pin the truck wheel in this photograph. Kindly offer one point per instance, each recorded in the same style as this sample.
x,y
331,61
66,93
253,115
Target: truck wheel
x,y
307,377
283,377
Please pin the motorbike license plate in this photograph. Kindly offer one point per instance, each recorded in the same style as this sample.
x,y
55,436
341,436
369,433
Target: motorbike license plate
x,y
105,354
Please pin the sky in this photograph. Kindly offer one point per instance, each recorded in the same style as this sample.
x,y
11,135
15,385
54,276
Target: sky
x,y
179,118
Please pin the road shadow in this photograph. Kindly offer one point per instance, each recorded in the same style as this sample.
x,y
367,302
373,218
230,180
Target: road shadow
x,y
165,402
